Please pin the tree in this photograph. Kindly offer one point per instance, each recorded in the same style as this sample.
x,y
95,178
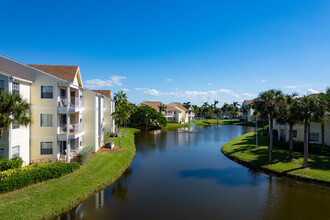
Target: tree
x,y
13,109
147,118
162,108
186,103
267,105
197,110
225,108
289,113
322,113
217,112
307,108
120,97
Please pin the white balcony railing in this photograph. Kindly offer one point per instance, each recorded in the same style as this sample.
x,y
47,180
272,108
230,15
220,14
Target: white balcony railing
x,y
74,102
73,128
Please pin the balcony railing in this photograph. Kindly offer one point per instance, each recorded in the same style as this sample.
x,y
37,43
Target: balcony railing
x,y
74,102
73,128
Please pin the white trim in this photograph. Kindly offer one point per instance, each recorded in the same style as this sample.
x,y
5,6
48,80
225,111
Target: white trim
x,y
16,78
43,137
18,140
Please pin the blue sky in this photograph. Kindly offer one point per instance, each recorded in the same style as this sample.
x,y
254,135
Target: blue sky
x,y
176,50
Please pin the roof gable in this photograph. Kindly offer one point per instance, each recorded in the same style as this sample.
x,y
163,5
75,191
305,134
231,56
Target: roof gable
x,y
67,73
106,93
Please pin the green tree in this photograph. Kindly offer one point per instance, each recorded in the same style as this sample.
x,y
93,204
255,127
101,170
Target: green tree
x,y
267,105
162,108
322,114
289,113
120,97
217,112
13,109
147,118
307,110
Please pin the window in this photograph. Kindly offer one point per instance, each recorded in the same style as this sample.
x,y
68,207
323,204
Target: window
x,y
46,148
80,143
15,125
15,88
2,85
2,152
46,92
294,133
15,151
314,137
46,120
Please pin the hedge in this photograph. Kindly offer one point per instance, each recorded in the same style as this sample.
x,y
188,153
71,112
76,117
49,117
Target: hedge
x,y
84,154
11,172
30,177
6,164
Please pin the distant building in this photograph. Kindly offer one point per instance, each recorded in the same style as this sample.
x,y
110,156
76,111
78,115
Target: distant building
x,y
247,110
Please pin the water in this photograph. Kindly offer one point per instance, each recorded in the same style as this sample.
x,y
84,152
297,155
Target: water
x,y
182,174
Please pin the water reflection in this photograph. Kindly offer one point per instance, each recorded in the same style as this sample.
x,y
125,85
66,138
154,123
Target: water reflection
x,y
183,175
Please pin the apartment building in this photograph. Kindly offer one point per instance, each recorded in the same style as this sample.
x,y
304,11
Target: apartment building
x,y
65,116
248,111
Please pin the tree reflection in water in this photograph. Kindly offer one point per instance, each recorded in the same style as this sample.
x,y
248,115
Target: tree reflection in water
x,y
120,189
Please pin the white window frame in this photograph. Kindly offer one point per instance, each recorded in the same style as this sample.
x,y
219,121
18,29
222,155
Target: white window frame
x,y
41,120
45,86
19,151
15,87
48,142
2,150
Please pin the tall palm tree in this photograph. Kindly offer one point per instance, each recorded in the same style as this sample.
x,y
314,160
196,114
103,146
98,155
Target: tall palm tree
x,y
225,108
322,114
267,105
13,109
289,113
186,103
162,108
307,109
120,97
217,112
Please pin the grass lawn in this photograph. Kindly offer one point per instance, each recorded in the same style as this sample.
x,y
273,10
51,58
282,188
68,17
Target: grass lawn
x,y
243,149
56,196
205,122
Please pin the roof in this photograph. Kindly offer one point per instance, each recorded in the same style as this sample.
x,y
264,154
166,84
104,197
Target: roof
x,y
67,73
173,108
106,93
248,102
179,105
11,74
152,104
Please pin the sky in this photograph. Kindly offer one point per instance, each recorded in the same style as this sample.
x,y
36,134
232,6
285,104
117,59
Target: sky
x,y
175,50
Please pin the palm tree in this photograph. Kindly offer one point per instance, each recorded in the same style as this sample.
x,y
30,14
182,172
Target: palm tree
x,y
267,105
120,97
186,103
217,111
225,108
162,107
307,109
13,110
322,114
289,113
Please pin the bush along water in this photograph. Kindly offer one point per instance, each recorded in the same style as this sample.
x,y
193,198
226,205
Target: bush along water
x,y
30,177
84,154
6,164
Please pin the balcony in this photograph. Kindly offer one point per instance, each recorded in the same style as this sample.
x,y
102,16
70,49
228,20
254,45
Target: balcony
x,y
75,104
75,130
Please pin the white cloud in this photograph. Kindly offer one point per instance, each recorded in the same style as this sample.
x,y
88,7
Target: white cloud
x,y
125,90
152,92
262,80
99,83
248,94
210,84
290,87
311,91
169,80
229,92
140,89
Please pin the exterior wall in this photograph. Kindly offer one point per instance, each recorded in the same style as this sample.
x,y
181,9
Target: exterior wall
x,y
284,129
4,140
248,116
89,118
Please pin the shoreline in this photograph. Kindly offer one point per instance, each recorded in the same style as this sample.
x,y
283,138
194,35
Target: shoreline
x,y
55,197
226,150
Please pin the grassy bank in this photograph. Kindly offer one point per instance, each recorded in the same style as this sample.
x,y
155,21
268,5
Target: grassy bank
x,y
205,122
56,196
243,151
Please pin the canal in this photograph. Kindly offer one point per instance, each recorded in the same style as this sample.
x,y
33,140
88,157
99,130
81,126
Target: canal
x,y
182,174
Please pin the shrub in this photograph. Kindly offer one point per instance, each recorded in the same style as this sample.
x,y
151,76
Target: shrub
x,y
84,154
15,162
11,172
50,171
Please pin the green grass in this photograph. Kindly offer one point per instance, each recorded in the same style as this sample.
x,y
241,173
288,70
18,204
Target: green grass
x,y
243,149
205,122
57,196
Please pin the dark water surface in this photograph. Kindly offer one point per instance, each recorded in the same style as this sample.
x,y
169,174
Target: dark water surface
x,y
183,175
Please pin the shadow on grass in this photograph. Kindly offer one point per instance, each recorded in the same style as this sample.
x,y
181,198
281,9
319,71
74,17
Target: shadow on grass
x,y
259,156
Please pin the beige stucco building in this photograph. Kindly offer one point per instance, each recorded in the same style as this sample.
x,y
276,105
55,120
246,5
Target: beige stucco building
x,y
65,116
